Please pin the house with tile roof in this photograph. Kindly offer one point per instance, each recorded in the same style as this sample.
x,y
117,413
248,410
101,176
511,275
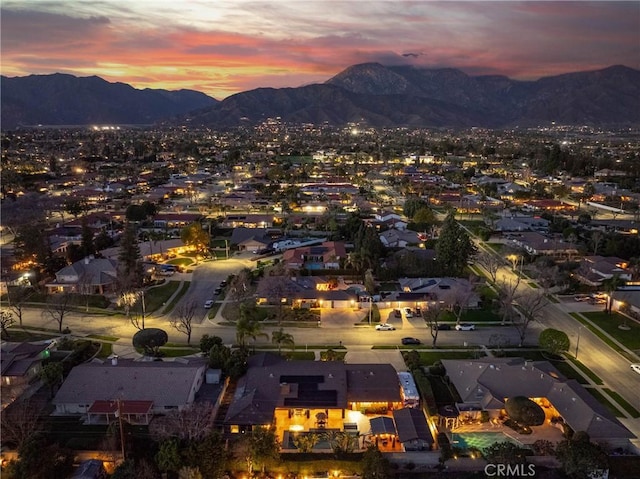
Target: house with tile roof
x,y
486,384
311,396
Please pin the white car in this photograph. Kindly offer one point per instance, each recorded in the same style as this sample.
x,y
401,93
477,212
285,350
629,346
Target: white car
x,y
407,312
636,367
385,327
465,327
208,303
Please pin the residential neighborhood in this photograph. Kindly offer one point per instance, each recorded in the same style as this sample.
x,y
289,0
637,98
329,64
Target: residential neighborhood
x,y
423,299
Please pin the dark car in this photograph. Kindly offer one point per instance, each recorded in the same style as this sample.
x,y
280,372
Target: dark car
x,y
410,341
444,327
397,313
223,283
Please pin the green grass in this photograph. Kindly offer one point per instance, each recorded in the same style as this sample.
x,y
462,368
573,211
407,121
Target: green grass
x,y
552,298
299,355
497,247
593,376
176,298
533,285
567,370
623,402
610,323
18,335
428,358
103,337
603,336
106,350
177,352
605,402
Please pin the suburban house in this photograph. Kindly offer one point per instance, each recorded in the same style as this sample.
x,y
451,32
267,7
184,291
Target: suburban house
x,y
254,239
324,256
153,250
485,385
422,291
520,223
394,238
303,397
90,275
140,389
388,220
627,300
303,292
538,244
20,363
594,270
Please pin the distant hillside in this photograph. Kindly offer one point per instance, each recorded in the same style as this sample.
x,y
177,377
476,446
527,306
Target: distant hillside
x,y
409,96
61,99
368,93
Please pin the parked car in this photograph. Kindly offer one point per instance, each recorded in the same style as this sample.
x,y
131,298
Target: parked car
x,y
465,327
223,283
397,313
408,313
208,303
410,341
636,367
418,311
217,291
581,297
444,327
385,327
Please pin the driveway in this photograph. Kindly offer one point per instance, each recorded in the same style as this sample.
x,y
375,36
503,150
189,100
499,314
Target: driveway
x,y
366,355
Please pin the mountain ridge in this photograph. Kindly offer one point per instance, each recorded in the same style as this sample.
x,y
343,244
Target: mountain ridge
x,y
368,93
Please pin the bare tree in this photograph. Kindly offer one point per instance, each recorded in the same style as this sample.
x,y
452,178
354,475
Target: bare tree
x,y
457,298
192,423
506,296
597,237
183,321
21,421
531,304
240,287
58,306
431,315
6,321
17,297
490,262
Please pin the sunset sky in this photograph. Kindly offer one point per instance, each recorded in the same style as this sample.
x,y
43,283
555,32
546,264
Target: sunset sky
x,y
221,47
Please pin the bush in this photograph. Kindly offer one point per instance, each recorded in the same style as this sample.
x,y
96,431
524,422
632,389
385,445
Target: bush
x,y
524,411
426,392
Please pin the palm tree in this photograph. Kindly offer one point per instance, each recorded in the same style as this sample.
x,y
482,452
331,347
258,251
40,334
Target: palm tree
x,y
280,338
248,328
610,285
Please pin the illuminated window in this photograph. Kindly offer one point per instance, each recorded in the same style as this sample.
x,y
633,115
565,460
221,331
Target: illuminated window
x,y
235,429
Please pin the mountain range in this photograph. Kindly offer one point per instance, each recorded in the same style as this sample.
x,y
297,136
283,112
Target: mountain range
x,y
367,93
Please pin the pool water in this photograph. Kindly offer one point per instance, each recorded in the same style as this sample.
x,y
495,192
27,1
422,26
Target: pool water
x,y
480,440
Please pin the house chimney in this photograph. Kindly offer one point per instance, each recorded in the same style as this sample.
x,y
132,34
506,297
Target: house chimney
x,y
87,260
114,360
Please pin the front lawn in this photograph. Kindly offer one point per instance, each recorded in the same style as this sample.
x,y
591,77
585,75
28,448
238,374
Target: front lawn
x,y
427,358
155,297
181,261
610,323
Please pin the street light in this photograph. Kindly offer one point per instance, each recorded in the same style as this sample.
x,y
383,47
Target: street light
x,y
578,341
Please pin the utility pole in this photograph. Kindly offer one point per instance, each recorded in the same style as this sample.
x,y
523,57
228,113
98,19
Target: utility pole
x,y
370,308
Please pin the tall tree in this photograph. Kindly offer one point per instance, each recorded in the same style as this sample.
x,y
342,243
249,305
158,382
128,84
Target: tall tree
x,y
454,247
87,245
532,304
51,375
130,260
183,321
194,235
581,458
246,328
374,464
432,314
610,285
17,296
490,262
6,321
58,307
281,338
554,341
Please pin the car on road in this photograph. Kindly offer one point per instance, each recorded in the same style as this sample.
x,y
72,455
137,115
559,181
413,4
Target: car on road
x,y
636,367
208,303
444,327
581,297
223,283
410,341
407,312
465,327
217,291
385,327
397,313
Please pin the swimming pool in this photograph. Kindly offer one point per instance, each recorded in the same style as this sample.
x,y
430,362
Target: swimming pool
x,y
480,440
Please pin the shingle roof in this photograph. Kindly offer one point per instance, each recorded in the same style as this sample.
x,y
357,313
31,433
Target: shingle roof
x,y
164,383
